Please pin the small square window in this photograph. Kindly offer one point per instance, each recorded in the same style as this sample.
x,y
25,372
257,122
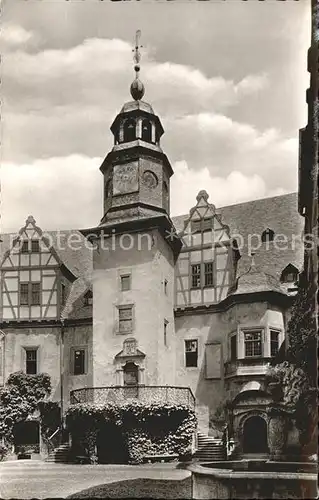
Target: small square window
x,y
31,361
79,361
35,246
191,353
125,282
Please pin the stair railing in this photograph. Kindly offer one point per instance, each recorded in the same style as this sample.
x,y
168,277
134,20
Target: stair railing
x,y
55,439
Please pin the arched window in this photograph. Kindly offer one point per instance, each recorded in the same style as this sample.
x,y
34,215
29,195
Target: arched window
x,y
129,130
289,274
267,235
146,131
130,374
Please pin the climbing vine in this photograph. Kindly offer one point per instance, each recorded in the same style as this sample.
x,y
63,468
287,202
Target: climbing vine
x,y
154,429
22,395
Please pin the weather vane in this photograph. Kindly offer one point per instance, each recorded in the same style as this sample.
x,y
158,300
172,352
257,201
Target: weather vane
x,y
137,87
137,54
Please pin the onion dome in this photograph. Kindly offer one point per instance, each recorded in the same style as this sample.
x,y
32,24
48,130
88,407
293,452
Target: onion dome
x,y
137,89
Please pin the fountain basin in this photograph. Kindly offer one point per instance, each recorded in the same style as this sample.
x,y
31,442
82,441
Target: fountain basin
x,y
248,479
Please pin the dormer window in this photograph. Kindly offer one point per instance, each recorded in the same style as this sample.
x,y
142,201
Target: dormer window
x,y
146,131
289,274
129,130
267,235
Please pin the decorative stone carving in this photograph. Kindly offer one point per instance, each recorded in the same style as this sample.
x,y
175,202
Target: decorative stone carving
x,y
125,178
277,432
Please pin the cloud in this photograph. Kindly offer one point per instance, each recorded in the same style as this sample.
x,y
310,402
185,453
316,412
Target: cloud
x,y
14,36
67,193
61,193
235,188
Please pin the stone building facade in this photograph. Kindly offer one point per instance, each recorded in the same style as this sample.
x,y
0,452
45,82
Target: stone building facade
x,y
199,300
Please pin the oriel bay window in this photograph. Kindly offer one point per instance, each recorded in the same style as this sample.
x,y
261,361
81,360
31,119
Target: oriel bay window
x,y
253,346
274,342
191,353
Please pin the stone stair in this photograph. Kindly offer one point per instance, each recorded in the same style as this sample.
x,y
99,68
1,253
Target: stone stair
x,y
209,449
59,454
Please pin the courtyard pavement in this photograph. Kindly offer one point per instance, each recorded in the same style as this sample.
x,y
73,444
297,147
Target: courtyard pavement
x,y
26,479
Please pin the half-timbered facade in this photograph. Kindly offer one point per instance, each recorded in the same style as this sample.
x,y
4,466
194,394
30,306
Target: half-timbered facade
x,y
141,300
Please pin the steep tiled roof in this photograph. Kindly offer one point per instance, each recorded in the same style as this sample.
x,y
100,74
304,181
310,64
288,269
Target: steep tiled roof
x,y
245,220
248,220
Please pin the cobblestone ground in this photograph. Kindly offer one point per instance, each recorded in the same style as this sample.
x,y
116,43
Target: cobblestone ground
x,y
36,479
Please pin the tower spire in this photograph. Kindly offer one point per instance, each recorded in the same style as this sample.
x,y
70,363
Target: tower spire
x,y
137,87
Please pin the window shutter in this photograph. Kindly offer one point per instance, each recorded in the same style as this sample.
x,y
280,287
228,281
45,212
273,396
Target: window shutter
x,y
213,361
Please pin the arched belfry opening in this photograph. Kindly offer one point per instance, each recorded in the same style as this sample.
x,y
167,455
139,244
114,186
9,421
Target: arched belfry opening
x,y
129,130
146,130
255,435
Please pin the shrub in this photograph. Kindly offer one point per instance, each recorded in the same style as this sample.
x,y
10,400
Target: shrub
x,y
148,429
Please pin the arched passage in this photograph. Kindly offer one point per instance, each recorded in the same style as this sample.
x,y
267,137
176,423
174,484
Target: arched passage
x,y
255,435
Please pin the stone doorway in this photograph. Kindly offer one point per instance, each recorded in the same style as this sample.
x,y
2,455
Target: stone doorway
x,y
255,435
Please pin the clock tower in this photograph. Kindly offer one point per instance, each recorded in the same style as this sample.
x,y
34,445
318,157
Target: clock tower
x,y
135,250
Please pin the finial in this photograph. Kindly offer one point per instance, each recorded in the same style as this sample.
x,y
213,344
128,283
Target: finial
x,y
137,87
202,194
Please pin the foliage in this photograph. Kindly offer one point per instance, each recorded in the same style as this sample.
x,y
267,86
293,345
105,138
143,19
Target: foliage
x,y
293,382
302,334
147,428
20,398
3,451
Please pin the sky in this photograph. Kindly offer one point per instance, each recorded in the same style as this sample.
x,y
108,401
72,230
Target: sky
x,y
227,79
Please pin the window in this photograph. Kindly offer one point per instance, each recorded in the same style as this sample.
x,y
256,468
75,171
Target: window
x,y
289,274
196,282
79,361
62,294
129,131
24,294
125,282
35,294
31,361
165,286
165,331
208,273
35,246
233,348
25,246
267,235
274,342
125,319
191,353
146,131
88,298
107,189
30,294
252,344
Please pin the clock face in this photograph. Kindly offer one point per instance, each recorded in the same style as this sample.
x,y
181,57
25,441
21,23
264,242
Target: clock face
x,y
150,179
125,178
